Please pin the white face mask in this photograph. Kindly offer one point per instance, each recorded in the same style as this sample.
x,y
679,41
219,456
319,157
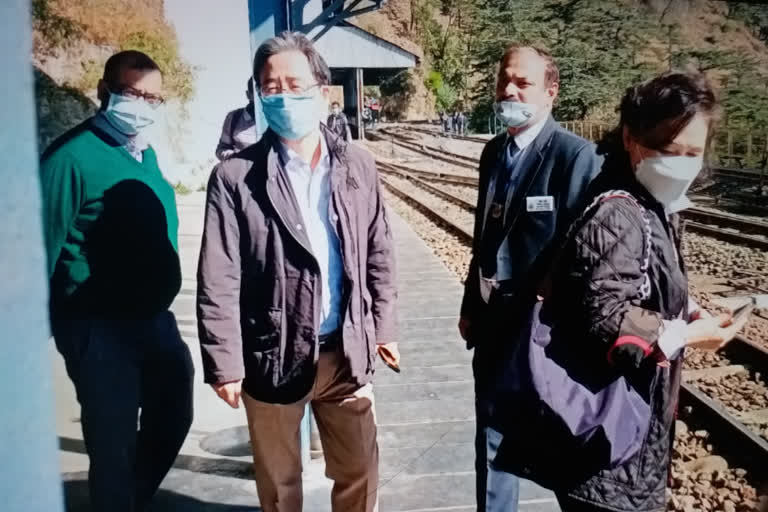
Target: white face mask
x,y
667,178
129,116
514,113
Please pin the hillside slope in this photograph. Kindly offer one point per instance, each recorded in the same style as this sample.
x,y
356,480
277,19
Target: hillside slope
x,y
72,41
462,39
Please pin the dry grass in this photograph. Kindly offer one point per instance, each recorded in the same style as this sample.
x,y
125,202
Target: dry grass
x,y
122,25
108,21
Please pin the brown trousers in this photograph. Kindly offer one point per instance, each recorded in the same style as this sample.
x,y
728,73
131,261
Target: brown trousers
x,y
346,423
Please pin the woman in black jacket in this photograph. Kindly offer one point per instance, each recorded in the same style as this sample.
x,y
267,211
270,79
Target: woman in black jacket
x,y
621,285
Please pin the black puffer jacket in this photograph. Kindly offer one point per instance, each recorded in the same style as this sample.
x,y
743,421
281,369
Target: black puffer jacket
x,y
596,293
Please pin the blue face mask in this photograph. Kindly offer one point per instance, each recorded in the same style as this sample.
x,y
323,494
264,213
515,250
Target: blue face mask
x,y
129,116
291,116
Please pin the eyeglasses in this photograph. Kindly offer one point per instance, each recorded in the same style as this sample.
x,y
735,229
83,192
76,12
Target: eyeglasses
x,y
269,90
129,92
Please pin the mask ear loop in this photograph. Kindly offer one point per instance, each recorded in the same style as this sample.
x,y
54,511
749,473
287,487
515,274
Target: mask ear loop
x,y
635,145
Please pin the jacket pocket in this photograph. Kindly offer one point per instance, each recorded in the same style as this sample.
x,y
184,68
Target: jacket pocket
x,y
262,331
261,366
73,338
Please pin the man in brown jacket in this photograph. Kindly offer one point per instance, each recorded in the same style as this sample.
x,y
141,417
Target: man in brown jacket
x,y
296,285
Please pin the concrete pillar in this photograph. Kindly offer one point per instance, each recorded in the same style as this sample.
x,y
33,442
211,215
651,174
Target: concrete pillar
x,y
360,97
30,481
350,98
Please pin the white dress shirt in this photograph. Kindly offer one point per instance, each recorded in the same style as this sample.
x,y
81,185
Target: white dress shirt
x,y
312,189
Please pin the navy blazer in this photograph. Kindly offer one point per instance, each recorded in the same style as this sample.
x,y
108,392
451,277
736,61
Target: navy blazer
x,y
559,164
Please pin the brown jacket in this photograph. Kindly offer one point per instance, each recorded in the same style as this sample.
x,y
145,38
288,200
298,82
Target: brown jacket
x,y
259,286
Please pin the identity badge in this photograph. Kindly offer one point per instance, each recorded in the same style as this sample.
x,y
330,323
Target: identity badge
x,y
540,203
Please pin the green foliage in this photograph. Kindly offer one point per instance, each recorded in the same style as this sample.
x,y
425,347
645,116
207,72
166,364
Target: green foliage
x,y
178,77
434,80
754,16
58,24
396,93
92,72
446,46
55,31
595,45
182,189
481,118
601,48
445,95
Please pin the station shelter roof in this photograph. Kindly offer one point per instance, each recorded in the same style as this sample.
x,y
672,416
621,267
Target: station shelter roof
x,y
348,46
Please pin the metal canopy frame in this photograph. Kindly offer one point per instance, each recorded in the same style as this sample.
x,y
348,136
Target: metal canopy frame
x,y
339,11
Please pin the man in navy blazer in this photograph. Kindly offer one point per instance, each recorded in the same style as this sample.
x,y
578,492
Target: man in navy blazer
x,y
533,181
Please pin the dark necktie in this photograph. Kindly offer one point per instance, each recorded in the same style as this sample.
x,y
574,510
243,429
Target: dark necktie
x,y
494,222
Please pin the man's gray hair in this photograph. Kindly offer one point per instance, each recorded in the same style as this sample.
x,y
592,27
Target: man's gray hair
x,y
291,42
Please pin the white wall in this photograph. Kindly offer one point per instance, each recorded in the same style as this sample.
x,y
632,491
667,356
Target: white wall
x,y
30,476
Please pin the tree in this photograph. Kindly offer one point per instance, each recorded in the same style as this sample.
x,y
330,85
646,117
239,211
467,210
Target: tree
x,y
754,16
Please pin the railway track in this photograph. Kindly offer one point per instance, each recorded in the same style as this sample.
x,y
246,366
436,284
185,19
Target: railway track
x,y
439,133
430,151
425,185
462,233
734,435
727,227
741,435
750,176
745,175
437,177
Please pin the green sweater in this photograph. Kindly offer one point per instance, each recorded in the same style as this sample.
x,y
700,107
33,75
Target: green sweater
x,y
111,228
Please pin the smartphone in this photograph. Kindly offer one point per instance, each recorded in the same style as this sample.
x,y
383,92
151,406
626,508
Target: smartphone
x,y
393,367
391,364
743,310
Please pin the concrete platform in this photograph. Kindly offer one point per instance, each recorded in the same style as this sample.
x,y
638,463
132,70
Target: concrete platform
x,y
425,413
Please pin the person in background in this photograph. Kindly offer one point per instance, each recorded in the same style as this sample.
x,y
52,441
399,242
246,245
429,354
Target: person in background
x,y
111,233
533,178
367,113
337,122
296,285
461,122
447,121
239,129
653,155
375,110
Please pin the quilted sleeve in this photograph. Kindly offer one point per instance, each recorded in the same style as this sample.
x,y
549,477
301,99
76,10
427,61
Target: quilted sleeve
x,y
607,276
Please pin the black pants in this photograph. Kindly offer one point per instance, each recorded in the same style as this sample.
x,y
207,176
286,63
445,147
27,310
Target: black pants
x,y
121,367
496,490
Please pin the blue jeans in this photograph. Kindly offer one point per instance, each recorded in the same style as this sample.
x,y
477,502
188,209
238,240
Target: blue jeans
x,y
121,367
497,491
